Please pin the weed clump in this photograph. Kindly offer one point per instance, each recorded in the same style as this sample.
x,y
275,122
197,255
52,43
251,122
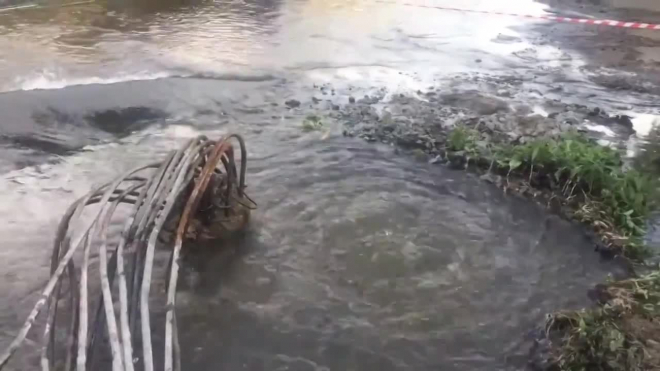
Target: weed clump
x,y
312,123
623,333
462,139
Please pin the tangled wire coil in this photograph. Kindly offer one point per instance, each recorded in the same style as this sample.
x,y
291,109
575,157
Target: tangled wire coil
x,y
197,188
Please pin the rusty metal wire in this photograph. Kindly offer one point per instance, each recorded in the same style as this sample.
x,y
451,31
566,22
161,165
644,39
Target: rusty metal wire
x,y
199,191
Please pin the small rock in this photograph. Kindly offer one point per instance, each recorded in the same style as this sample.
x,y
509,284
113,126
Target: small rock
x,y
335,107
478,60
514,136
490,178
490,124
595,112
623,120
437,160
315,100
292,103
351,100
565,126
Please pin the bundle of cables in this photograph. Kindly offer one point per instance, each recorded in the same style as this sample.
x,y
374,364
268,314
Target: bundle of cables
x,y
199,192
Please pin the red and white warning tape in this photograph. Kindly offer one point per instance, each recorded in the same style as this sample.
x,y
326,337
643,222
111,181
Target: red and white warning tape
x,y
602,22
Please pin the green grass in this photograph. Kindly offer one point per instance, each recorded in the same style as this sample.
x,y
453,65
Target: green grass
x,y
612,199
621,334
616,202
590,177
312,123
462,139
594,340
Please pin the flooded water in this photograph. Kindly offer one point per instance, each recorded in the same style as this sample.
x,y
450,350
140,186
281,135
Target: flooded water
x,y
357,258
371,262
122,40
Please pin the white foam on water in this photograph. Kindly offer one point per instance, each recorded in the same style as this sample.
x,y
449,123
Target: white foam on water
x,y
51,80
601,129
538,110
644,123
39,194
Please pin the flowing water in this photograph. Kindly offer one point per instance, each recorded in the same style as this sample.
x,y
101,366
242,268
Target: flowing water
x,y
357,258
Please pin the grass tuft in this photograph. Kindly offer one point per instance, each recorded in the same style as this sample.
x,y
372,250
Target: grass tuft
x,y
312,123
623,333
462,139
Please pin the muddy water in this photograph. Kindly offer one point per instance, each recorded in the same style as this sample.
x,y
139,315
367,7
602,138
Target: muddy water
x,y
132,40
357,258
372,262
